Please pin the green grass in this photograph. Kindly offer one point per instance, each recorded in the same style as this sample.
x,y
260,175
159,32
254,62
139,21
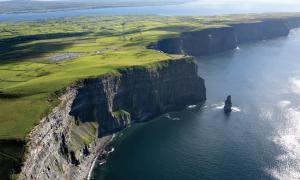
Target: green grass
x,y
83,134
28,76
30,81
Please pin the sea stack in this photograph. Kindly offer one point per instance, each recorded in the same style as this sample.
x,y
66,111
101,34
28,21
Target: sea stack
x,y
228,105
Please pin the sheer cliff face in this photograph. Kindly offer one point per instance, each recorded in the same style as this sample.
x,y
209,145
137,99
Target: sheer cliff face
x,y
208,41
44,159
138,94
57,147
293,22
269,29
197,43
214,40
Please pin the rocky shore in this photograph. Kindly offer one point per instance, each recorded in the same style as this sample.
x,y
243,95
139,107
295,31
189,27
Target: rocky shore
x,y
84,169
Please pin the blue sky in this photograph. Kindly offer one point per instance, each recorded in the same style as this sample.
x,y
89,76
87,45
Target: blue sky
x,y
216,1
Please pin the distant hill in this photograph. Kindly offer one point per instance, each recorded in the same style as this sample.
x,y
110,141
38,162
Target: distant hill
x,y
23,6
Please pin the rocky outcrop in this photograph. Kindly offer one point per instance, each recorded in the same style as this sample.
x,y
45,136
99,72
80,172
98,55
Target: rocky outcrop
x,y
228,105
65,143
215,40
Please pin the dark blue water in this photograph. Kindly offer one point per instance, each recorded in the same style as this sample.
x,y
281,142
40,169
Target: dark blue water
x,y
259,140
191,8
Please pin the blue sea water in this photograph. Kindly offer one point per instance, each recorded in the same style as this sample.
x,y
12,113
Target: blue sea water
x,y
194,8
259,140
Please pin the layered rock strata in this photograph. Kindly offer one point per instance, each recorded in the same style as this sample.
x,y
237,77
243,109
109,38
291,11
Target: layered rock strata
x,y
65,143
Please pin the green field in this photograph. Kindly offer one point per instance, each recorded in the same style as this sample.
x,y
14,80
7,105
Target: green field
x,y
38,60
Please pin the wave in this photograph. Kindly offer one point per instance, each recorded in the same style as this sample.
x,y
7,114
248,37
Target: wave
x,y
295,85
102,162
235,109
283,104
111,150
171,118
219,106
191,106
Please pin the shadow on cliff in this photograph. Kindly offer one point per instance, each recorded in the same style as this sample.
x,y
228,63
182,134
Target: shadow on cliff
x,y
11,154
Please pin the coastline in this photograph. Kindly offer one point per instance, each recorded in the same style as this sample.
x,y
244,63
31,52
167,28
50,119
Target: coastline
x,y
91,169
54,147
93,7
86,93
84,170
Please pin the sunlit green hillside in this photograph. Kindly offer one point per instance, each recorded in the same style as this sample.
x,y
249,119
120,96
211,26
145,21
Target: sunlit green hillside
x,y
38,60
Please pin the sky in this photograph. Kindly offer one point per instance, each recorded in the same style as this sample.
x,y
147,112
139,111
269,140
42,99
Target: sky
x,y
256,1
285,2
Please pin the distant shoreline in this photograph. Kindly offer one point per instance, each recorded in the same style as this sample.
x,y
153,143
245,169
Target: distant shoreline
x,y
96,6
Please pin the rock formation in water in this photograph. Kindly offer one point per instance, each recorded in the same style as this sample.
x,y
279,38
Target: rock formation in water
x,y
61,144
228,105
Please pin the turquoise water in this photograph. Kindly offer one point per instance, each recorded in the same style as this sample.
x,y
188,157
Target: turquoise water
x,y
259,140
191,8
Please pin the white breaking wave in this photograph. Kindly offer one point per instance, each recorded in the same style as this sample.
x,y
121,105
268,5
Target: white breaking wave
x,y
235,109
218,106
176,119
112,150
221,106
284,103
295,85
288,139
171,118
101,163
113,136
192,106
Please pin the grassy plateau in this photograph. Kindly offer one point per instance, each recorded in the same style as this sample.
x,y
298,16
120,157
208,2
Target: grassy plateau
x,y
39,59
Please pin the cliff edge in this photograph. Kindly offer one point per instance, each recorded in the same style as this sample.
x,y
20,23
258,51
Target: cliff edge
x,y
65,143
219,39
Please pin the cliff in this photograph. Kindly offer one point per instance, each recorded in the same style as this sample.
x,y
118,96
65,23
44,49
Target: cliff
x,y
267,29
214,40
202,42
293,22
65,143
75,132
